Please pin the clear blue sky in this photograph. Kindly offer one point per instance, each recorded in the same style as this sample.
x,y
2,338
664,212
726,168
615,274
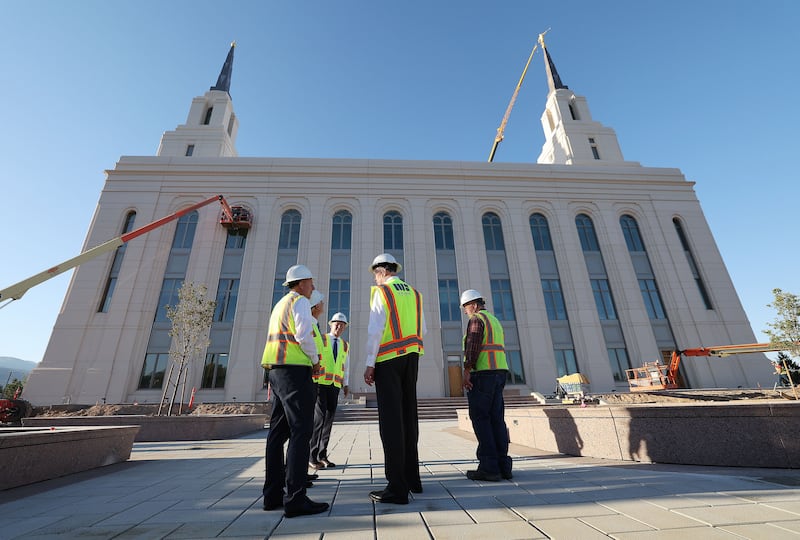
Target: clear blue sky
x,y
709,87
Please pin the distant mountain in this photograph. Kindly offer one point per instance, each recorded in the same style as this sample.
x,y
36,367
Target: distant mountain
x,y
16,367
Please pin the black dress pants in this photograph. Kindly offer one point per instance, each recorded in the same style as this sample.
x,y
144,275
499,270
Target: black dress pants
x,y
398,421
293,420
324,411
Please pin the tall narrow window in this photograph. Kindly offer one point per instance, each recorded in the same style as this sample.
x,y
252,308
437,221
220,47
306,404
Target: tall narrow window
x,y
502,296
449,307
618,360
540,232
207,119
448,300
116,264
554,300
630,230
443,231
157,352
603,297
593,146
289,236
214,370
342,230
493,232
555,306
586,233
227,296
155,364
392,231
341,244
288,242
656,312
189,150
565,362
687,250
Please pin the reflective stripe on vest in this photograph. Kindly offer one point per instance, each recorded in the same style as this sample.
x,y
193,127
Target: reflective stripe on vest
x,y
325,375
282,346
398,339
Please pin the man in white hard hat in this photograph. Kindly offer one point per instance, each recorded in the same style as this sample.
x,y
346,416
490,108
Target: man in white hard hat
x,y
291,355
485,373
394,345
333,375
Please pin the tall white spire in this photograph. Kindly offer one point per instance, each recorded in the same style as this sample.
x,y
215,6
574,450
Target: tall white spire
x,y
211,127
571,136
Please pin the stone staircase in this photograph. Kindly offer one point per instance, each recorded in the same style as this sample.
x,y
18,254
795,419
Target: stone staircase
x,y
429,408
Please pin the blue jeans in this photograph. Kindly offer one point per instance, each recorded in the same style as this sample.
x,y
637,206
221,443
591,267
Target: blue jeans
x,y
486,410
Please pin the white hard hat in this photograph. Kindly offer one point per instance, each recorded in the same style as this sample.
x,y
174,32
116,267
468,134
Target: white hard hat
x,y
316,297
296,273
339,317
385,258
470,295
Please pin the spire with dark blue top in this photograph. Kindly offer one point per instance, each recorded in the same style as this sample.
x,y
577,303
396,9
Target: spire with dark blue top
x,y
224,79
553,80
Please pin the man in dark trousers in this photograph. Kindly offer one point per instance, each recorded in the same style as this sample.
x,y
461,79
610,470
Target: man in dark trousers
x,y
394,345
292,357
485,372
329,382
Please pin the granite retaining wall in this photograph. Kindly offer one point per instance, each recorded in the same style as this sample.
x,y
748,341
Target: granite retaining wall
x,y
737,434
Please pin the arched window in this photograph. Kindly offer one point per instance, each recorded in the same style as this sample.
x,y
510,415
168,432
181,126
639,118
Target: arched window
x,y
540,232
687,250
290,230
342,230
116,264
392,231
493,232
443,231
586,233
630,229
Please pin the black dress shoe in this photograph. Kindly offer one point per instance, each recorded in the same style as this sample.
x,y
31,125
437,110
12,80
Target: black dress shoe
x,y
309,484
382,497
308,508
272,505
327,464
416,489
312,476
316,465
506,475
481,475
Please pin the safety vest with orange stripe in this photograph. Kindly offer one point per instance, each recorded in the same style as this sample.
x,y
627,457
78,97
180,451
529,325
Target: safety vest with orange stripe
x,y
493,352
403,332
282,347
326,369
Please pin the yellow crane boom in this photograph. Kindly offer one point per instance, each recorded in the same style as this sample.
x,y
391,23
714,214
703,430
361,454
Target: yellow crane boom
x,y
501,130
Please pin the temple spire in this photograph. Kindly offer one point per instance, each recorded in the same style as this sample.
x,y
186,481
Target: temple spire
x,y
553,80
224,79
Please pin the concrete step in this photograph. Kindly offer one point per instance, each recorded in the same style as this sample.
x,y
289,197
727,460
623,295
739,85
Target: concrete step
x,y
428,408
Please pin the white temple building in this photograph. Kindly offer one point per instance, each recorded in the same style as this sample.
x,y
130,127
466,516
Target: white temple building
x,y
593,264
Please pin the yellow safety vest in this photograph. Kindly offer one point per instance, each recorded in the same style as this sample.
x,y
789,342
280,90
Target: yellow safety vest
x,y
339,362
403,332
282,347
326,367
493,352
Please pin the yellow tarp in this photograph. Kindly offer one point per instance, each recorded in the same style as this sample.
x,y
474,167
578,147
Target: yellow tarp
x,y
573,378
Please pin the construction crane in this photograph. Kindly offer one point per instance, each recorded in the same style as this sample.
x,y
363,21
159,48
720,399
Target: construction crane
x,y
502,129
657,376
232,217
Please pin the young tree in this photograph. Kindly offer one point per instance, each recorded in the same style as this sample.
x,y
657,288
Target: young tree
x,y
785,330
191,322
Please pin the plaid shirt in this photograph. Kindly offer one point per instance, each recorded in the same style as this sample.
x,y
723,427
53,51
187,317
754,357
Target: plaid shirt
x,y
473,342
